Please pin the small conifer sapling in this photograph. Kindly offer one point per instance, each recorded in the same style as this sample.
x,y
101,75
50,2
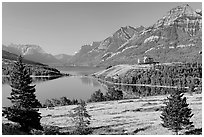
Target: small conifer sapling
x,y
81,119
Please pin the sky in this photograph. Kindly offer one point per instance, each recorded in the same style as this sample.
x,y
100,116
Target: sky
x,y
62,28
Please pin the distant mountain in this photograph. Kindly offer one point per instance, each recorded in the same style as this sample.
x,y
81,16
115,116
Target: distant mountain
x,y
176,37
34,53
63,57
35,68
12,57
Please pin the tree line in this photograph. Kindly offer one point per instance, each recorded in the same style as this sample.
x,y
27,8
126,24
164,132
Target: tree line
x,y
97,96
63,101
35,70
181,75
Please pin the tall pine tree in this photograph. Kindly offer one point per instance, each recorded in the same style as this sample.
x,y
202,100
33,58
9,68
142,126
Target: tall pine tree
x,y
23,99
176,114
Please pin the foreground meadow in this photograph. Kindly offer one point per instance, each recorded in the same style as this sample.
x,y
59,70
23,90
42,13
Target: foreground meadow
x,y
132,116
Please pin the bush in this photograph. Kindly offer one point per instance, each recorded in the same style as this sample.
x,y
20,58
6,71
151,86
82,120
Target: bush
x,y
63,101
12,129
47,130
48,103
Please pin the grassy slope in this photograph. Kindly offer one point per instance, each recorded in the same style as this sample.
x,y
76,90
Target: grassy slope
x,y
120,70
133,116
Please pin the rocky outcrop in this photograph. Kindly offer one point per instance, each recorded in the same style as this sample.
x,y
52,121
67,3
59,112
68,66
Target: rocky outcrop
x,y
183,17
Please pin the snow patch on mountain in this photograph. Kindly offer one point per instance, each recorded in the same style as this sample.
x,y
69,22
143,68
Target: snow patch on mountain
x,y
113,55
93,50
188,45
151,39
149,50
171,47
129,48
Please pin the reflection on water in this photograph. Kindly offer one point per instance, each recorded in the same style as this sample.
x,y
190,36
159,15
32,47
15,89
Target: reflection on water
x,y
51,87
79,70
79,88
90,81
42,79
5,80
142,91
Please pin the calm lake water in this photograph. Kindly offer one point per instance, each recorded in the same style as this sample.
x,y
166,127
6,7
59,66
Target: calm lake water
x,y
77,87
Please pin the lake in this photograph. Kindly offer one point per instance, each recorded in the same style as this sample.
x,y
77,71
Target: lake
x,y
79,87
73,87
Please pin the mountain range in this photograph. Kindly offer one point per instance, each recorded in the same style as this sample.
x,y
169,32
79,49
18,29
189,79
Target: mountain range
x,y
8,57
176,37
36,53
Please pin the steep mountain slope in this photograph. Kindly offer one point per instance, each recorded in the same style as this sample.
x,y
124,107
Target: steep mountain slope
x,y
176,37
97,51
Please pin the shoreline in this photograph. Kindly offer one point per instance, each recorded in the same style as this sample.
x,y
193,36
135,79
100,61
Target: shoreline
x,y
33,76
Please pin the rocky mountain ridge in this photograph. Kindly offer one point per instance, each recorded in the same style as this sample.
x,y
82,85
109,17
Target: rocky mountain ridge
x,y
176,37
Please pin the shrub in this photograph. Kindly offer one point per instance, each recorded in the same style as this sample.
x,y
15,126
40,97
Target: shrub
x,y
48,103
12,129
47,130
64,101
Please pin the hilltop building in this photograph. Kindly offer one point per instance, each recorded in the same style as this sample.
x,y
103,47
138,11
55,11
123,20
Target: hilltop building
x,y
145,60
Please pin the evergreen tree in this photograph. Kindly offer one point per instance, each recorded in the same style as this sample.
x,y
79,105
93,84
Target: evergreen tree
x,y
74,102
113,94
23,99
64,101
176,114
48,103
81,118
97,96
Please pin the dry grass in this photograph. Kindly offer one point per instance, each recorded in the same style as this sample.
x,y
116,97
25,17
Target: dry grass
x,y
132,116
120,70
129,117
